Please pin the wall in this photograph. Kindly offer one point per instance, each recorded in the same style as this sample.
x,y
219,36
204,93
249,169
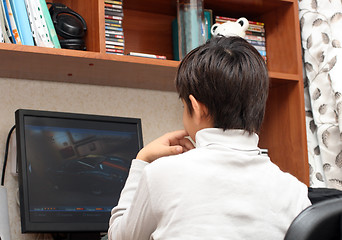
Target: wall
x,y
160,112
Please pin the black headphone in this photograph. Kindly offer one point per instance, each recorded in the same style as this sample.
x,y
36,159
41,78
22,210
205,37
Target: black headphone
x,y
69,25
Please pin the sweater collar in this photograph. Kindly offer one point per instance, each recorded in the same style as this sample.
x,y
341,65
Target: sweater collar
x,y
235,139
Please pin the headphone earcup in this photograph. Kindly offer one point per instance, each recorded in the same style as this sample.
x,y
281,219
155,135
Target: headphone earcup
x,y
75,44
68,26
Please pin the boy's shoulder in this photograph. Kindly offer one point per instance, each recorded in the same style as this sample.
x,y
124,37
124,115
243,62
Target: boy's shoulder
x,y
178,162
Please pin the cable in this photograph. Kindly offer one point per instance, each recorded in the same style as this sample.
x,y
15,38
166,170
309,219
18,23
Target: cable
x,y
6,155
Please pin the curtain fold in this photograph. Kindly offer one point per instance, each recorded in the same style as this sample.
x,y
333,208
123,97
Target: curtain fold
x,y
321,33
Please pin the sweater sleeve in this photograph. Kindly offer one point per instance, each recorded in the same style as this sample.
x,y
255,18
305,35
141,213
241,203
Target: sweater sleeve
x,y
132,218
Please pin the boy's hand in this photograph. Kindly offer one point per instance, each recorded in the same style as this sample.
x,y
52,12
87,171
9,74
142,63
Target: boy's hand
x,y
171,143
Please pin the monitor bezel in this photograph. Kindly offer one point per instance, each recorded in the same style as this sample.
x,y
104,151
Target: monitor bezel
x,y
31,227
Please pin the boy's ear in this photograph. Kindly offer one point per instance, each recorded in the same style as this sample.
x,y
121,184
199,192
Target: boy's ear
x,y
200,110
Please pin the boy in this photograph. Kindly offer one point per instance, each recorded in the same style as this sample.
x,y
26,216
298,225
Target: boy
x,y
224,188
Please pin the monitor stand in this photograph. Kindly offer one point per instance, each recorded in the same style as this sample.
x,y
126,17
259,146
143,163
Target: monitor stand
x,y
77,236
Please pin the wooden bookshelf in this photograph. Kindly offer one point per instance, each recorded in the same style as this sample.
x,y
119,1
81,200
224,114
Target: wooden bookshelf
x,y
147,28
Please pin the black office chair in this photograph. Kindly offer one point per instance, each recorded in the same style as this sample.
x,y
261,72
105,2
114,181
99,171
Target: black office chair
x,y
321,221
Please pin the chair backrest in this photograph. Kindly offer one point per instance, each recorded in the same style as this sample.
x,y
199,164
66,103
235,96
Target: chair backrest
x,y
321,221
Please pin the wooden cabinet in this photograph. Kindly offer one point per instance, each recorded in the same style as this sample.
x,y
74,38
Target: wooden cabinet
x,y
147,28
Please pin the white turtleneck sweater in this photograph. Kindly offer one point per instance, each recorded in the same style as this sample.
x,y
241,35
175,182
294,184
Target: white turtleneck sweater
x,y
223,189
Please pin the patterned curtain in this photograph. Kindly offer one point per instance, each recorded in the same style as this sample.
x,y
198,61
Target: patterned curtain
x,y
321,32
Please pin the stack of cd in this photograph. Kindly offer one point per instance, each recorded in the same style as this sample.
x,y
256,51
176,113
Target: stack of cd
x,y
115,42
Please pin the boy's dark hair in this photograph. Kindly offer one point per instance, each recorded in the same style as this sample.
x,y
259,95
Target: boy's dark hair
x,y
228,76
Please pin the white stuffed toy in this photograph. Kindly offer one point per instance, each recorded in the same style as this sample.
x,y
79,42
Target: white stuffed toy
x,y
229,28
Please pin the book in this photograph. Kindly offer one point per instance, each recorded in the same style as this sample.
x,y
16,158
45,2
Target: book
x,y
38,25
6,33
137,54
224,19
255,28
15,32
175,46
262,52
208,21
256,43
1,35
8,22
2,40
253,25
255,33
255,38
22,21
49,23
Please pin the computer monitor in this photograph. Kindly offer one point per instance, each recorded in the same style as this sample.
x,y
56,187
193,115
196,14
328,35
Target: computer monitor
x,y
72,168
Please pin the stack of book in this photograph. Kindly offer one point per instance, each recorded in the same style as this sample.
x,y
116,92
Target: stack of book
x,y
255,34
27,22
115,42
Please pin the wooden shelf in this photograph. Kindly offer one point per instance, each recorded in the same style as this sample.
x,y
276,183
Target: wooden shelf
x,y
63,65
39,63
147,28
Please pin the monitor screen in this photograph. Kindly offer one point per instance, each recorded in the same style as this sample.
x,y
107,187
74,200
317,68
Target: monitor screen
x,y
72,168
